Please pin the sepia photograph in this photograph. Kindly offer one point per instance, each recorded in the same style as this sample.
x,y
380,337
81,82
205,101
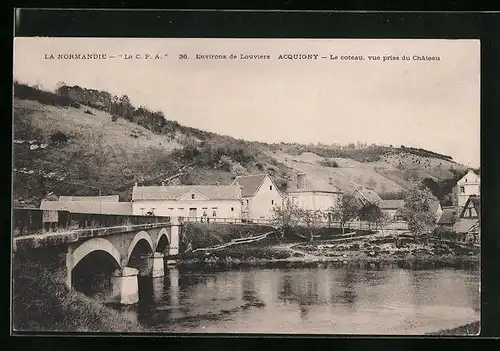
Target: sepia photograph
x,y
269,186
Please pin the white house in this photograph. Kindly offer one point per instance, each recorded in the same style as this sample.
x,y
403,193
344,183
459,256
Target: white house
x,y
468,185
313,194
212,201
260,195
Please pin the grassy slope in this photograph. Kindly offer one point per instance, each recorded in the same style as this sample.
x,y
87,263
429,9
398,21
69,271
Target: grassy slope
x,y
42,302
112,155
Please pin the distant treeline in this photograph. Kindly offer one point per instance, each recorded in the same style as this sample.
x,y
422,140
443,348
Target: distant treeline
x,y
25,92
120,106
425,153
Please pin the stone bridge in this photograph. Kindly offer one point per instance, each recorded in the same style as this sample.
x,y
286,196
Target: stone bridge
x,y
124,246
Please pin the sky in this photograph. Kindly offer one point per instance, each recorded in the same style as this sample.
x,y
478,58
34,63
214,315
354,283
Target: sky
x,y
429,104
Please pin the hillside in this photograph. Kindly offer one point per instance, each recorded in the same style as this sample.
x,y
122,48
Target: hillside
x,y
85,142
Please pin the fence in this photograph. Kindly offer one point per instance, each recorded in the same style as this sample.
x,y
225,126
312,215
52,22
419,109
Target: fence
x,y
360,225
225,220
34,221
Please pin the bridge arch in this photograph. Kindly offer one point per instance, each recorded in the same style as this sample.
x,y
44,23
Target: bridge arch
x,y
162,241
142,235
96,244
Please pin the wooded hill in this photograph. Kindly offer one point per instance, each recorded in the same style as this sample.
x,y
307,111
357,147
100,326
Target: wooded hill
x,y
79,141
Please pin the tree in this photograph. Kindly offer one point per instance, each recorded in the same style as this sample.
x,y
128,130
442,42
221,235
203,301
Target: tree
x,y
285,217
416,210
345,210
312,220
370,213
372,183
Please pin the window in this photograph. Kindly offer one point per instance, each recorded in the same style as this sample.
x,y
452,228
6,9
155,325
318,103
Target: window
x,y
232,209
192,196
214,214
462,189
247,201
270,187
272,202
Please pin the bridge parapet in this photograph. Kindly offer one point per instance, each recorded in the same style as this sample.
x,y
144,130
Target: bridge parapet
x,y
27,221
70,236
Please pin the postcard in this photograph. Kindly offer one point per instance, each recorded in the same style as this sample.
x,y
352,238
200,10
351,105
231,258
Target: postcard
x,y
271,186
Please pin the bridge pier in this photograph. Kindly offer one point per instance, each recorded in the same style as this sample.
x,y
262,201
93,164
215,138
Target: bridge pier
x,y
158,265
69,267
174,238
124,286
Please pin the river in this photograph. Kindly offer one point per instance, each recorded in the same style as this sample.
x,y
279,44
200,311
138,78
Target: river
x,y
308,300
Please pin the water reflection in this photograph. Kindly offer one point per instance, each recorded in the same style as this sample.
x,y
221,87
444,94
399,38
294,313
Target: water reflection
x,y
309,300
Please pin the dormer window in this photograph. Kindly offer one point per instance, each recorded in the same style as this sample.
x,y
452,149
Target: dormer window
x,y
462,189
192,196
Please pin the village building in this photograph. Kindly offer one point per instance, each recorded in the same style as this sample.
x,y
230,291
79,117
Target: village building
x,y
366,196
391,208
466,186
434,207
89,204
448,218
194,201
313,194
468,224
260,195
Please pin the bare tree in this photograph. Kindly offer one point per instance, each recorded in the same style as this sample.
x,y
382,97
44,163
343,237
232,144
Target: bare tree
x,y
416,210
312,220
345,210
285,217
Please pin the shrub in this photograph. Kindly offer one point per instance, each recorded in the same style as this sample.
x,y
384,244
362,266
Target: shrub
x,y
59,138
329,163
88,112
23,91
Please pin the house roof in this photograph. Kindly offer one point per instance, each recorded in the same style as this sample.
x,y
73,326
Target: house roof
x,y
364,194
391,204
107,198
464,225
434,206
313,184
475,201
174,192
448,215
250,184
104,207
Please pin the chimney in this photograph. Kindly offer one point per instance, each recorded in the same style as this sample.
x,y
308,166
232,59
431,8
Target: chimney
x,y
301,181
135,184
330,180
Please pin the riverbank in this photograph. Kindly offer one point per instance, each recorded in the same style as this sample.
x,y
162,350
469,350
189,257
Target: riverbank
x,y
365,252
468,329
43,303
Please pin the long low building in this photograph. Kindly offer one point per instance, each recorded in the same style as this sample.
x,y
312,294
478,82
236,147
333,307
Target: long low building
x,y
88,206
213,201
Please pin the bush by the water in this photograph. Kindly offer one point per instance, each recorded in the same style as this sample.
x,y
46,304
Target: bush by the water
x,y
42,302
201,235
